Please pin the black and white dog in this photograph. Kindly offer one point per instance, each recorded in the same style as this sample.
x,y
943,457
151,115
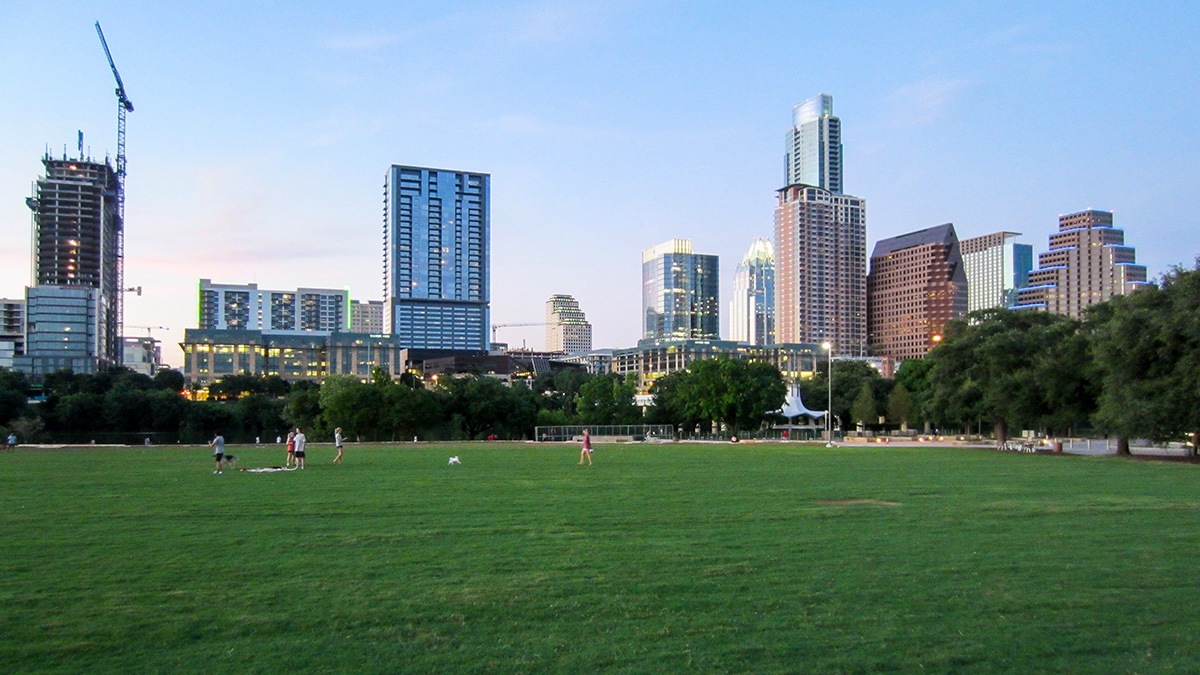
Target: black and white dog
x,y
228,461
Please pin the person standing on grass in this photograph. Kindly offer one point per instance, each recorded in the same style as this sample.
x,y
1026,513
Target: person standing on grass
x,y
586,451
300,440
291,449
338,441
218,446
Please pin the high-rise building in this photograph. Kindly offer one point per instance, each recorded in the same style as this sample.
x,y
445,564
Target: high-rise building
x,y
366,317
814,146
567,329
996,267
916,286
680,295
73,308
820,239
436,247
143,355
752,308
820,268
247,307
1088,263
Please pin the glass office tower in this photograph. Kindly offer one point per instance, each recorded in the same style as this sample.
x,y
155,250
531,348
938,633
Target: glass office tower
x,y
752,308
814,146
436,248
680,298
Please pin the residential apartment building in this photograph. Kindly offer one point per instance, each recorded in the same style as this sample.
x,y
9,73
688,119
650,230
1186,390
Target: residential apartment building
x,y
366,317
247,307
752,307
996,267
820,268
567,328
916,286
680,294
1088,263
820,238
435,253
814,146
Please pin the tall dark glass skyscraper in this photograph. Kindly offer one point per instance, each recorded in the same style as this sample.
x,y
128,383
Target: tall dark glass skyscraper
x,y
680,298
436,286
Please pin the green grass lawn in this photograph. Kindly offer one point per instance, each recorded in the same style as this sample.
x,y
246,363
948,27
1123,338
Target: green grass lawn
x,y
658,559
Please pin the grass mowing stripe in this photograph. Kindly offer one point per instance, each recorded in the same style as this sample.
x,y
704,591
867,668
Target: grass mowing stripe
x,y
671,558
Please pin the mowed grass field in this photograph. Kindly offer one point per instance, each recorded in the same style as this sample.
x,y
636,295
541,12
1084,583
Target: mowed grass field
x,y
766,558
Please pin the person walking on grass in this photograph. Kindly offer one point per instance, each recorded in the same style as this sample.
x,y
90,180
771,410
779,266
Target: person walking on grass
x,y
291,449
338,441
300,440
218,446
586,451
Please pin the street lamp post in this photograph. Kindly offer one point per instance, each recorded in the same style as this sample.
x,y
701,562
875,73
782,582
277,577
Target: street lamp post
x,y
828,347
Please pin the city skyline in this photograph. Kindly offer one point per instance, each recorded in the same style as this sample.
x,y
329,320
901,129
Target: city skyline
x,y
256,149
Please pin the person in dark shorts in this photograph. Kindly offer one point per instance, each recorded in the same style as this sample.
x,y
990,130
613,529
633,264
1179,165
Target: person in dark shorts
x,y
300,441
218,446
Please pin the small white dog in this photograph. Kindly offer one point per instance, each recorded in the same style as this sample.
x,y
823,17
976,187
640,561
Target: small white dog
x,y
454,460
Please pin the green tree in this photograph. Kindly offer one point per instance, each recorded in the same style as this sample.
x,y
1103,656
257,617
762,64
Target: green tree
x,y
1004,367
900,407
303,409
360,409
865,409
412,412
1147,344
170,380
479,403
913,376
734,392
607,399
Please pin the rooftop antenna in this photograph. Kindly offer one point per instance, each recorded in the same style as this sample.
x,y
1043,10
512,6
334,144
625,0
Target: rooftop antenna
x,y
81,144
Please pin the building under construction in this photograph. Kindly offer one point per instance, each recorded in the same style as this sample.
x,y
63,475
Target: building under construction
x,y
73,307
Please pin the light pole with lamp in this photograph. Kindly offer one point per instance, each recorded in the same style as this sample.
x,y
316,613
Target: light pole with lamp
x,y
828,347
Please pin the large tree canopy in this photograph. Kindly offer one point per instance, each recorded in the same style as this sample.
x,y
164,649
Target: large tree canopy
x,y
1009,368
1147,346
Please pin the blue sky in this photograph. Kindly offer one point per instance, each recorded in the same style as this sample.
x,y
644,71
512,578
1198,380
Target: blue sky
x,y
262,131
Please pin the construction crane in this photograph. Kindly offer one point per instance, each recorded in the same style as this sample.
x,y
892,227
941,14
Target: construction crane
x,y
147,329
124,105
513,325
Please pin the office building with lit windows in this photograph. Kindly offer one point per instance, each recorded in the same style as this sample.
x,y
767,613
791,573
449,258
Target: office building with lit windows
x,y
366,317
752,307
680,294
436,247
247,307
72,312
916,286
567,328
820,239
996,267
1088,263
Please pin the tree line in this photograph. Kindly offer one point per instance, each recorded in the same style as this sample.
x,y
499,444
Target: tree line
x,y
1129,369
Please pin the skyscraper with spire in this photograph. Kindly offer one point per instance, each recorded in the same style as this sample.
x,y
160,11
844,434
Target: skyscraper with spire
x,y
752,308
820,238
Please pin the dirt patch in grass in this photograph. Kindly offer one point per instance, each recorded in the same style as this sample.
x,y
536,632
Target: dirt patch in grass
x,y
847,502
